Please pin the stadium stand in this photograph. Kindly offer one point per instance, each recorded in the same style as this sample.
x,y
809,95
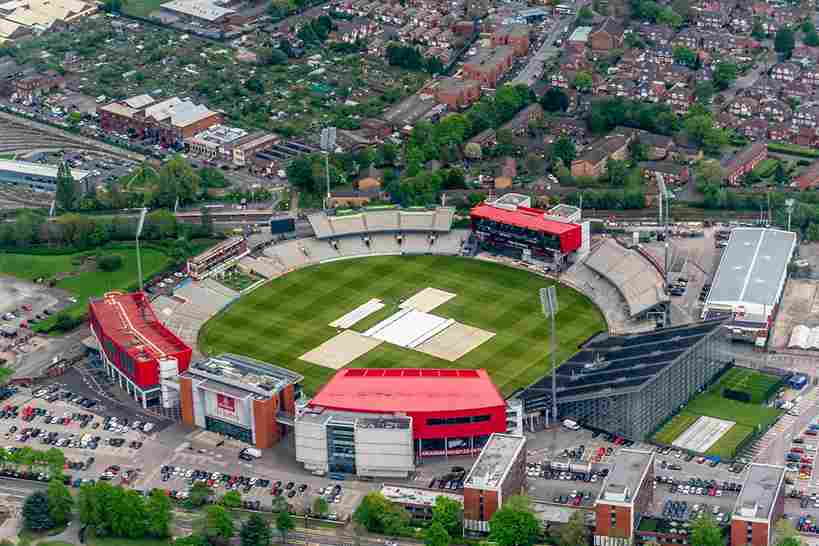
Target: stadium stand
x,y
191,305
262,265
380,221
634,277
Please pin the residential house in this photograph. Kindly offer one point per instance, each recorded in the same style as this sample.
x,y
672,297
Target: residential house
x,y
456,93
520,123
659,35
809,179
744,107
608,36
592,162
775,109
514,36
780,132
754,129
798,90
806,115
689,37
785,72
714,20
488,65
672,173
680,98
743,162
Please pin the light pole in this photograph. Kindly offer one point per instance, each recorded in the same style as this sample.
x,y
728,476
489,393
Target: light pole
x,y
548,303
789,205
328,144
141,223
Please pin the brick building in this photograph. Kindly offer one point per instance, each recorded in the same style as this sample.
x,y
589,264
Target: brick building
x,y
33,85
673,173
809,179
627,493
498,473
239,397
593,161
743,162
760,504
514,36
456,93
487,66
609,36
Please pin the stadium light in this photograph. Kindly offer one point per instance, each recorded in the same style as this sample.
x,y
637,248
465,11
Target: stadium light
x,y
140,225
548,303
789,205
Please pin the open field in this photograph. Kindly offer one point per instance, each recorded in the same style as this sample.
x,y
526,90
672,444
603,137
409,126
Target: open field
x,y
289,316
748,417
758,385
79,277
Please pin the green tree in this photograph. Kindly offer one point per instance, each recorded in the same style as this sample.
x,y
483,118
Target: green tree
x,y
67,194
784,41
563,149
787,534
514,524
685,56
667,16
811,38
199,494
218,525
583,82
60,502
255,531
436,535
320,507
284,524
725,74
36,516
177,180
584,15
781,176
704,92
705,532
378,515
575,532
555,100
757,30
231,499
449,514
812,233
159,514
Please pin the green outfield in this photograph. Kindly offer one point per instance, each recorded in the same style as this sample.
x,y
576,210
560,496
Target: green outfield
x,y
289,316
748,417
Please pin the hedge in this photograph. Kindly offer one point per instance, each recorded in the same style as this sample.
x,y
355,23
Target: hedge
x,y
792,149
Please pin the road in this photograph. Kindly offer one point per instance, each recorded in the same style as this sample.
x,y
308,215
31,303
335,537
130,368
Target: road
x,y
746,81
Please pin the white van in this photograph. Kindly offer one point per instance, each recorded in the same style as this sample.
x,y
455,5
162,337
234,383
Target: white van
x,y
571,425
250,453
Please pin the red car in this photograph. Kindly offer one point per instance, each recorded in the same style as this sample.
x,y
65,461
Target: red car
x,y
810,432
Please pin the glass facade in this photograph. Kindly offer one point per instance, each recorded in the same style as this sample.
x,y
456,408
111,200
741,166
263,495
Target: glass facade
x,y
341,448
230,430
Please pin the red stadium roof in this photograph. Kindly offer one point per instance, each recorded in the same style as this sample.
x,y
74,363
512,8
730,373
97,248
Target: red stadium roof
x,y
129,321
408,390
523,217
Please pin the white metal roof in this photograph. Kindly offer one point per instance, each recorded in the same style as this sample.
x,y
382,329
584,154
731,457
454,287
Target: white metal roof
x,y
37,169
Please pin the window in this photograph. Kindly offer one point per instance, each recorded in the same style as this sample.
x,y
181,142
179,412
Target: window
x,y
458,420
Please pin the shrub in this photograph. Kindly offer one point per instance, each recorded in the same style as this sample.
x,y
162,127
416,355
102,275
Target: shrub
x,y
109,262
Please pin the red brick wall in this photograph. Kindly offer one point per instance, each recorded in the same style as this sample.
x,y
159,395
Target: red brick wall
x,y
739,533
289,400
186,400
472,504
622,524
264,421
194,128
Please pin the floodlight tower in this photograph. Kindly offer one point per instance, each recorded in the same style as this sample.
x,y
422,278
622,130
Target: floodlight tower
x,y
789,206
548,303
141,223
328,144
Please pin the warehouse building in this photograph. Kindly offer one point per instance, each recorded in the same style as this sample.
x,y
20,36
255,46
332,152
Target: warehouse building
x,y
35,175
760,504
498,473
239,397
750,280
631,384
627,493
377,422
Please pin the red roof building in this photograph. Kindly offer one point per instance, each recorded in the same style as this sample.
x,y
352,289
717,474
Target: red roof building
x,y
442,403
134,344
527,223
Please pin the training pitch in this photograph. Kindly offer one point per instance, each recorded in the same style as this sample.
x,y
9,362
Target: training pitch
x,y
291,315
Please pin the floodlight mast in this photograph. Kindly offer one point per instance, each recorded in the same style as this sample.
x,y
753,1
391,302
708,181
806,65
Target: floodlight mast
x,y
140,224
548,304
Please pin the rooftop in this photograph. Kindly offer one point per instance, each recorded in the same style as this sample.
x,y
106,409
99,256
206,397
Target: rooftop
x,y
753,267
523,217
201,9
613,364
742,157
244,372
494,462
216,249
408,390
220,135
625,479
37,169
759,492
580,34
415,496
129,320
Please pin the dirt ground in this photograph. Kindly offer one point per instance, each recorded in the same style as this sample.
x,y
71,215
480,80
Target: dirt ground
x,y
338,351
454,342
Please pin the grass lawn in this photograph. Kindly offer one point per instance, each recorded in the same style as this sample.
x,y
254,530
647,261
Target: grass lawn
x,y
54,543
747,417
109,541
83,281
678,424
766,167
141,8
758,385
289,316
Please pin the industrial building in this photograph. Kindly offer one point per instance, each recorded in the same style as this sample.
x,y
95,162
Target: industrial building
x,y
377,422
760,504
750,280
239,397
35,175
510,225
137,350
627,493
417,501
630,384
498,473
